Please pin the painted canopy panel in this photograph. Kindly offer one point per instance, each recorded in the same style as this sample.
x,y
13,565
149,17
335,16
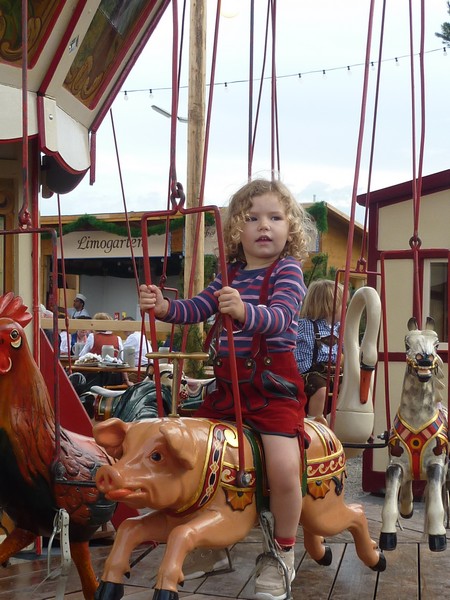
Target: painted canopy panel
x,y
80,52
101,49
41,17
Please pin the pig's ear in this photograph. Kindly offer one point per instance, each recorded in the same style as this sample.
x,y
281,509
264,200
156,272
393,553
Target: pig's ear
x,y
181,442
110,434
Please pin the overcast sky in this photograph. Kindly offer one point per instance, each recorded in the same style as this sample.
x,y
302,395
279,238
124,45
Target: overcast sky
x,y
319,115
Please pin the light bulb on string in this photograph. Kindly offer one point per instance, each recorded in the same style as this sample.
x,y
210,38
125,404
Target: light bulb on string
x,y
445,51
229,8
226,86
324,74
300,77
349,71
150,93
372,65
125,95
396,62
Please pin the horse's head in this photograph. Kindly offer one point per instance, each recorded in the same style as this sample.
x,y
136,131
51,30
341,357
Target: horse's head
x,y
421,349
166,374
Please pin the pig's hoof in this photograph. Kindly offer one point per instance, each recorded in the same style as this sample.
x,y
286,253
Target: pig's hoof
x,y
109,591
165,595
327,558
381,564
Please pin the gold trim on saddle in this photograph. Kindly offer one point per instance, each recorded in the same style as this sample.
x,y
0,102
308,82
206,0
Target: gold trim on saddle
x,y
237,497
216,473
329,466
332,462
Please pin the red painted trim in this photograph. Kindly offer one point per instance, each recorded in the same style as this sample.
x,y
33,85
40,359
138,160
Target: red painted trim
x,y
424,254
18,140
437,182
62,46
372,279
126,71
40,120
93,153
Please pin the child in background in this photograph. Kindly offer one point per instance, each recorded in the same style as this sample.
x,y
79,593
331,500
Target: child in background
x,y
265,235
314,341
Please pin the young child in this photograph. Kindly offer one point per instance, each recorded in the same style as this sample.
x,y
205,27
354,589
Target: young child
x,y
265,235
314,340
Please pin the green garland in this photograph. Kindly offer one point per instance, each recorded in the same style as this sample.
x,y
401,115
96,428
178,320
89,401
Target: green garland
x,y
99,225
318,211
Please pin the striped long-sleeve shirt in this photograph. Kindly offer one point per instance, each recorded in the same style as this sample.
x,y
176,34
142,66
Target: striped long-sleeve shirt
x,y
277,321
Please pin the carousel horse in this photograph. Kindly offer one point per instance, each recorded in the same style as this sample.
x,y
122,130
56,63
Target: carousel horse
x,y
140,400
186,470
418,442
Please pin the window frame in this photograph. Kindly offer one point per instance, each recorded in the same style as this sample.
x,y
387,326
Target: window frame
x,y
426,295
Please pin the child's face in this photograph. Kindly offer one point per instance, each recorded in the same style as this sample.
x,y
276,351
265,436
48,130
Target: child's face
x,y
265,231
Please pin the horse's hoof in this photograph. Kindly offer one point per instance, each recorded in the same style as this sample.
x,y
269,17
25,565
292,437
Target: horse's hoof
x,y
388,541
408,516
381,564
107,590
437,543
327,558
165,595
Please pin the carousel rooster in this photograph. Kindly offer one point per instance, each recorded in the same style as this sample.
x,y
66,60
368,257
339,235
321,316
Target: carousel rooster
x,y
43,468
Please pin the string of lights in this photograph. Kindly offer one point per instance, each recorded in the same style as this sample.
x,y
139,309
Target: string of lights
x,y
299,75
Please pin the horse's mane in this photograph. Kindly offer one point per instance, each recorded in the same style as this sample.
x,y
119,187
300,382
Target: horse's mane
x,y
12,307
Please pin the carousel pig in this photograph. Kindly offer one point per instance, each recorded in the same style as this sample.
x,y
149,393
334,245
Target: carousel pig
x,y
186,470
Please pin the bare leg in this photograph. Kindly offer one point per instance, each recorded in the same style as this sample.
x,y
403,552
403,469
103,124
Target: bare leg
x,y
316,403
283,472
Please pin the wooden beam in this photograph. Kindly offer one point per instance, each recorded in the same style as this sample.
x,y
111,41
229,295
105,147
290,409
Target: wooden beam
x,y
102,325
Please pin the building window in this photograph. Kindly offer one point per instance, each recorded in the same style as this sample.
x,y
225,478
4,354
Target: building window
x,y
436,294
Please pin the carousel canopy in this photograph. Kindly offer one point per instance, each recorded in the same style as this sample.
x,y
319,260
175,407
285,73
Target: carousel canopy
x,y
79,53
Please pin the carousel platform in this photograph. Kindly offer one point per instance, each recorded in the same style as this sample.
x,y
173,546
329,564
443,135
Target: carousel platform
x,y
412,573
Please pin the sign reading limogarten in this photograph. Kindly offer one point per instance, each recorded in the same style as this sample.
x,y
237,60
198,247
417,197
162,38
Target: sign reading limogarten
x,y
101,244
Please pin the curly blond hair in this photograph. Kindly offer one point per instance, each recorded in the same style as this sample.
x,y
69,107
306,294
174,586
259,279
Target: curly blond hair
x,y
301,227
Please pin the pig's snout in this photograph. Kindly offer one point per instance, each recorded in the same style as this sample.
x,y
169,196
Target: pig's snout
x,y
108,478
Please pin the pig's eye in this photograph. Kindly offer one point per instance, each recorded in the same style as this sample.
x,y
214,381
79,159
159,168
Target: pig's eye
x,y
156,456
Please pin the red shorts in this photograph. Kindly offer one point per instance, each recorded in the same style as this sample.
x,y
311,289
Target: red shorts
x,y
271,394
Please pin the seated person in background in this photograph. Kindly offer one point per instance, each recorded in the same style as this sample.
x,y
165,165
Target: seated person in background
x,y
80,335
97,339
94,343
314,340
135,340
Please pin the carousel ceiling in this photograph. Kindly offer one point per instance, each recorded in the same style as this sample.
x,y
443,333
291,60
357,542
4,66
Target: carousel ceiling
x,y
79,54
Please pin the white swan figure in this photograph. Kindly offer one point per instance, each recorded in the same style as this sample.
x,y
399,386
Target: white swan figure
x,y
354,410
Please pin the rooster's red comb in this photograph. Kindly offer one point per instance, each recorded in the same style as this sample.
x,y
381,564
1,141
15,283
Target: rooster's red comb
x,y
13,307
